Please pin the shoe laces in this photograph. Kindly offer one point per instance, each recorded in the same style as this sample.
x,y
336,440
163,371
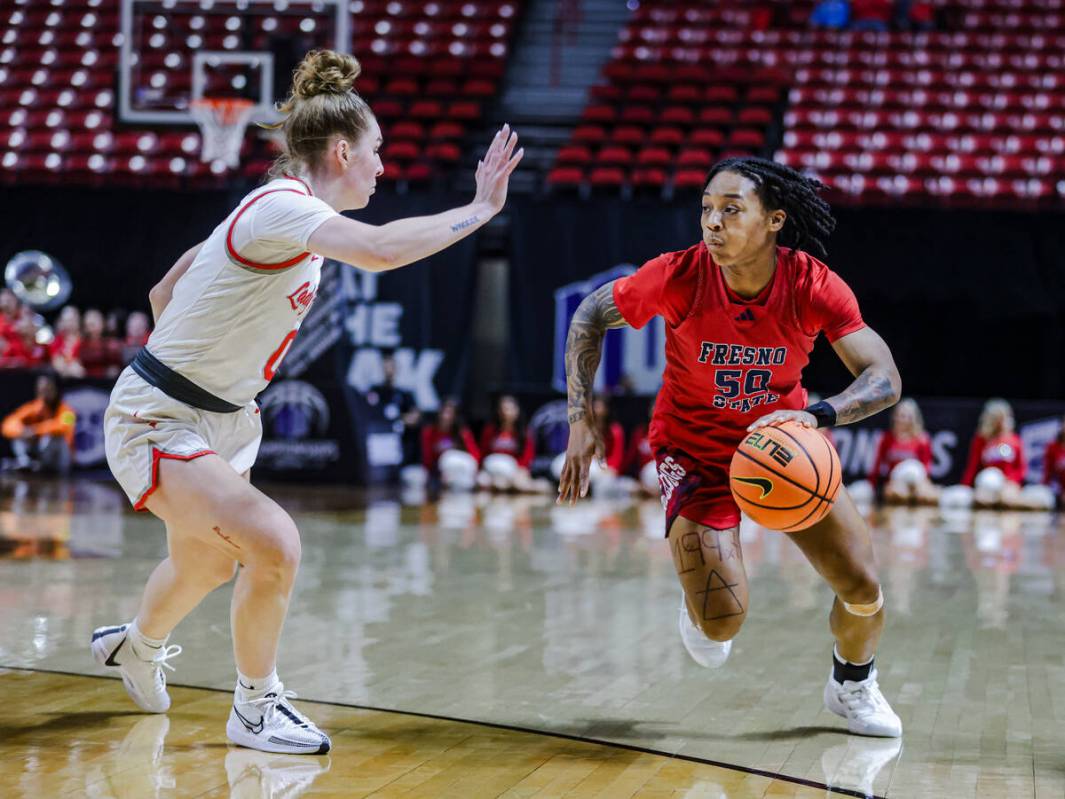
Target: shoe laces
x,y
863,696
277,702
159,661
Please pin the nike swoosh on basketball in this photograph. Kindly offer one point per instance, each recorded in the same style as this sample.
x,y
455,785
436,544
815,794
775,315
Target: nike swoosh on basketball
x,y
255,729
761,482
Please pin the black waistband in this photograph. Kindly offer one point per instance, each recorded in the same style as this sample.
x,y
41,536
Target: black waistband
x,y
158,374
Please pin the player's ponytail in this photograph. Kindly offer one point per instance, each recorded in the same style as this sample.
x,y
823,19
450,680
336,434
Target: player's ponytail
x,y
322,104
781,188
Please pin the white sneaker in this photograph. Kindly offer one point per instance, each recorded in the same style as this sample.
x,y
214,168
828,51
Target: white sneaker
x,y
272,724
253,775
863,706
144,679
705,651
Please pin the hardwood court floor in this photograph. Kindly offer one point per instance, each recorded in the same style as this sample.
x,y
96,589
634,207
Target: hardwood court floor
x,y
517,613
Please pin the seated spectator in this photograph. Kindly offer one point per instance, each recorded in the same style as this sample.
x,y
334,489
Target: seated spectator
x,y
100,355
449,434
65,349
1054,465
41,432
831,14
23,351
138,328
904,457
640,458
9,313
871,15
507,450
612,434
996,464
920,16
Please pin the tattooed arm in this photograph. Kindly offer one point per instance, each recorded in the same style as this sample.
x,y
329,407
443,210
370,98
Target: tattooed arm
x,y
584,347
877,385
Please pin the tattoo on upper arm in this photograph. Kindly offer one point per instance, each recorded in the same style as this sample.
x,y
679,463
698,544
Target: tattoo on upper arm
x,y
465,223
870,393
594,316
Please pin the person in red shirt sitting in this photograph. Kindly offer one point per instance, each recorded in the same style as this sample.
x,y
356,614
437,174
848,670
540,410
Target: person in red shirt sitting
x,y
138,329
65,349
905,443
9,315
743,308
507,450
23,351
1054,465
41,431
449,450
640,457
100,355
996,464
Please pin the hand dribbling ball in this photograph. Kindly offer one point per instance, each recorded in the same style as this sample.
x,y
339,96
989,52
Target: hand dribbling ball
x,y
785,477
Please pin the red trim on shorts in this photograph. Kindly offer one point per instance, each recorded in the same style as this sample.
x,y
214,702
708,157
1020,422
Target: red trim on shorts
x,y
158,455
231,250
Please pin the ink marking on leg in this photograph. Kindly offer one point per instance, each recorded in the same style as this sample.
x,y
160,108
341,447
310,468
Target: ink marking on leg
x,y
686,545
225,537
723,585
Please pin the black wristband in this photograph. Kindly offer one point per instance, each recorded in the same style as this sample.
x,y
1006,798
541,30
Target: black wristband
x,y
824,413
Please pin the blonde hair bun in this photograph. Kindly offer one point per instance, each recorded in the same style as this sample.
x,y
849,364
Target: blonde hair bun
x,y
325,72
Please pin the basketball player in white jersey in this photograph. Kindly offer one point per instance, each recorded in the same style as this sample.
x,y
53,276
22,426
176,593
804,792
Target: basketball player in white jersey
x,y
183,428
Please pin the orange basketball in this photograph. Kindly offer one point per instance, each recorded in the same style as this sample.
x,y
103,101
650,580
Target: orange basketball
x,y
785,477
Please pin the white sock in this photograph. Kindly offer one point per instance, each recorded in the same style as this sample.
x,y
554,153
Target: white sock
x,y
249,688
144,647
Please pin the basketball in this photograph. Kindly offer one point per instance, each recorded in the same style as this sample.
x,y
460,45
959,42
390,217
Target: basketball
x,y
785,477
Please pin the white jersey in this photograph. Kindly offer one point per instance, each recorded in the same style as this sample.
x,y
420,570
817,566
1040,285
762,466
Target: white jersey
x,y
236,310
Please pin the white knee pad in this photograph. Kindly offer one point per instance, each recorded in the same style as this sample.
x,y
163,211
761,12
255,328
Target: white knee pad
x,y
909,473
1039,497
861,492
501,467
868,609
458,470
958,496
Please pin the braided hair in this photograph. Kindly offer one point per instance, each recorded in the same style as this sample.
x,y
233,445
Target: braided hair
x,y
780,187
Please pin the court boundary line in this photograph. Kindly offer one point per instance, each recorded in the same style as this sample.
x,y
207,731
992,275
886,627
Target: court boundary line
x,y
509,728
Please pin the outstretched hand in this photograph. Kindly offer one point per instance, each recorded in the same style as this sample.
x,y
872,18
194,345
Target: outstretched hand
x,y
494,170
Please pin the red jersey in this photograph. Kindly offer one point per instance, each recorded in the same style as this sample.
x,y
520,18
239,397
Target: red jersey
x,y
502,442
66,347
1003,452
1054,466
730,361
435,442
892,451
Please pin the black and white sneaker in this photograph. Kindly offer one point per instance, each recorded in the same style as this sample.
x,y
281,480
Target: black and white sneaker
x,y
144,679
272,724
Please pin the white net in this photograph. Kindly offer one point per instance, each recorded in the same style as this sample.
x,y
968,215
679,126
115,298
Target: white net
x,y
222,124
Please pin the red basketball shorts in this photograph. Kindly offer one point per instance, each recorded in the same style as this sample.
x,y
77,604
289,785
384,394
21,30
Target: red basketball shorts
x,y
698,490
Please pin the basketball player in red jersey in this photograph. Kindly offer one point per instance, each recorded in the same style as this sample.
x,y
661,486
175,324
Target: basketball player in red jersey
x,y
743,309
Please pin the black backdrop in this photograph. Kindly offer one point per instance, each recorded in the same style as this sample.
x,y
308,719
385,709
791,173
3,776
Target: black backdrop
x,y
972,303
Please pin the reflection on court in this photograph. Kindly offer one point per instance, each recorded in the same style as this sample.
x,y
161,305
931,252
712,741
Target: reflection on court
x,y
516,612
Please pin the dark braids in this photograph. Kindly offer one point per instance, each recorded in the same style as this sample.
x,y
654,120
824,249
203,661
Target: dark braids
x,y
810,221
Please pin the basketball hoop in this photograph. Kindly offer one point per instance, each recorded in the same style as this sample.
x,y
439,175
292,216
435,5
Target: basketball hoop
x,y
222,122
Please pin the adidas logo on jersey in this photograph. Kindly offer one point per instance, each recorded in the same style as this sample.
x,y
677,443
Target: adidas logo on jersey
x,y
746,316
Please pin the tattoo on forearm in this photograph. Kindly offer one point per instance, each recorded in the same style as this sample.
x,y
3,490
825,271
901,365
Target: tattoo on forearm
x,y
465,223
595,315
869,394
